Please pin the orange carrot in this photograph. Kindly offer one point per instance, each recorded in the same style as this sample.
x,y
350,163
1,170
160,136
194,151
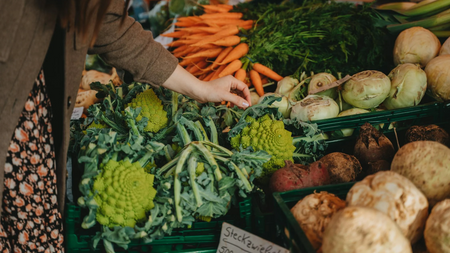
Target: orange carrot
x,y
231,68
223,22
176,34
214,8
185,23
180,49
240,74
225,6
230,30
186,62
264,79
267,72
185,52
209,53
189,19
257,83
230,15
208,77
220,57
176,43
228,41
217,72
237,52
198,66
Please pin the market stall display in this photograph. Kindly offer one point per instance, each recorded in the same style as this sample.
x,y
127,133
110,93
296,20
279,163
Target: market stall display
x,y
349,107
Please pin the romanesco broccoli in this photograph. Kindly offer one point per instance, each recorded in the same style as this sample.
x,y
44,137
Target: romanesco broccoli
x,y
124,193
268,135
152,109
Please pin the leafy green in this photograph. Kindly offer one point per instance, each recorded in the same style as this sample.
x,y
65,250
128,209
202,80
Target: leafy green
x,y
315,36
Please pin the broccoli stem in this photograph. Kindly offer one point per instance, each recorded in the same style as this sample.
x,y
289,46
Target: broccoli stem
x,y
192,167
182,132
240,174
210,158
199,125
177,183
214,135
145,159
174,103
218,147
167,166
316,137
131,122
191,125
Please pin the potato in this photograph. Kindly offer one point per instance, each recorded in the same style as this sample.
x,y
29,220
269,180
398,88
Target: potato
x,y
427,165
427,133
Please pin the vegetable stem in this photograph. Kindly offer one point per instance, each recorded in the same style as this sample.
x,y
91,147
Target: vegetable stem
x,y
192,166
177,183
210,158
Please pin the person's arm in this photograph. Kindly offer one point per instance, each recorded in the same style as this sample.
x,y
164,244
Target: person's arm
x,y
217,90
128,46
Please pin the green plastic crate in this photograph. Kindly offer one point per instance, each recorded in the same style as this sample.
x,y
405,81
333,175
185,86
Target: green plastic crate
x,y
202,237
429,113
284,201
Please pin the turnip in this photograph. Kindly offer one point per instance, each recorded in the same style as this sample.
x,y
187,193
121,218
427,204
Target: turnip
x,y
437,230
357,229
396,196
314,212
427,165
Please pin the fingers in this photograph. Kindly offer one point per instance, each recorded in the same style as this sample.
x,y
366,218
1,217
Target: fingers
x,y
243,88
236,100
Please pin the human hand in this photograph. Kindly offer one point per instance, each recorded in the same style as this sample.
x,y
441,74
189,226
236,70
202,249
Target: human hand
x,y
228,89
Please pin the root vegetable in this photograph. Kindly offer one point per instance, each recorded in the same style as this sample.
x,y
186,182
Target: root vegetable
x,y
353,111
314,107
363,230
437,232
416,45
366,89
254,97
285,85
314,212
408,86
427,165
93,76
427,133
86,99
373,150
342,167
297,176
396,196
438,77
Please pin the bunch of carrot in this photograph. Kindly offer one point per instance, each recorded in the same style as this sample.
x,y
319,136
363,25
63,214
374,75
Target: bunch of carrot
x,y
209,47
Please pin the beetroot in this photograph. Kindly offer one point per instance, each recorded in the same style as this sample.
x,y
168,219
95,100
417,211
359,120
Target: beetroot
x,y
297,176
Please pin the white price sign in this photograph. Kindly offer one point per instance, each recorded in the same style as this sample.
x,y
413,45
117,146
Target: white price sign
x,y
236,240
77,113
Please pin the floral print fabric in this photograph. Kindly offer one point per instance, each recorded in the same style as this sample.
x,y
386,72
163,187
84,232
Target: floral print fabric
x,y
30,220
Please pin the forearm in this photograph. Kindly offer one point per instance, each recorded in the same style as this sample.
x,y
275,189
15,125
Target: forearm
x,y
185,83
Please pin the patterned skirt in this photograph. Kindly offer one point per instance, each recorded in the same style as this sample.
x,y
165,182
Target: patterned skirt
x,y
30,219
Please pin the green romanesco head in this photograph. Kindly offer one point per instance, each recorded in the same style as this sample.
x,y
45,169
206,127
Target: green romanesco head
x,y
152,109
268,135
124,193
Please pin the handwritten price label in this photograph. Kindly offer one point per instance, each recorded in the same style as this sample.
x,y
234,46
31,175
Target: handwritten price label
x,y
236,240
